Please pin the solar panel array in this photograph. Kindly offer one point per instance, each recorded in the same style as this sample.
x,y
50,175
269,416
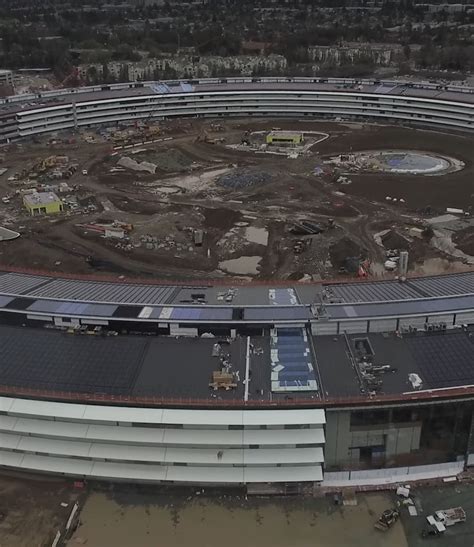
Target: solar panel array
x,y
427,307
13,283
444,285
373,292
292,369
71,363
431,295
283,313
72,308
93,291
443,361
382,291
195,314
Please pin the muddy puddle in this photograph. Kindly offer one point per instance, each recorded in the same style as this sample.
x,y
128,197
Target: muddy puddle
x,y
198,182
399,162
213,523
256,235
244,265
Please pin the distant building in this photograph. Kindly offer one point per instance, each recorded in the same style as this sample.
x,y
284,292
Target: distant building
x,y
186,66
284,137
198,236
43,203
255,48
6,83
6,78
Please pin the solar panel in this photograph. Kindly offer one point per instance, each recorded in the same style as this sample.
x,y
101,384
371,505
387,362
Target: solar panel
x,y
292,369
105,310
73,308
189,314
290,375
216,314
45,305
288,341
293,349
288,333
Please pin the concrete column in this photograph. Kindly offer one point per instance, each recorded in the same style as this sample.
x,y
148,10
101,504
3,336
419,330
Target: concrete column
x,y
338,437
74,114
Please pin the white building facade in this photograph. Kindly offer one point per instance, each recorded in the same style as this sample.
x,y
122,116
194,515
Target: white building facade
x,y
162,445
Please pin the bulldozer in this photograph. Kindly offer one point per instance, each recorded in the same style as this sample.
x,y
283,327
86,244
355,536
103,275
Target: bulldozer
x,y
46,164
387,519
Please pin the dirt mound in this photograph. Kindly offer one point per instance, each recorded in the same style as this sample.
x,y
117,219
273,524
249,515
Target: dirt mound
x,y
346,253
130,163
394,240
221,218
169,161
338,209
464,240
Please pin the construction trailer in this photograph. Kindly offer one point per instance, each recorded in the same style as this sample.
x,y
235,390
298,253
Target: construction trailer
x,y
198,237
285,138
42,203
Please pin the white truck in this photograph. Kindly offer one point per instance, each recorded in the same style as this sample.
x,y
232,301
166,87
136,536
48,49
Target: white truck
x,y
452,516
446,517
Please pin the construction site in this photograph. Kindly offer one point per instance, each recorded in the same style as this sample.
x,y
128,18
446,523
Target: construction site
x,y
97,515
243,199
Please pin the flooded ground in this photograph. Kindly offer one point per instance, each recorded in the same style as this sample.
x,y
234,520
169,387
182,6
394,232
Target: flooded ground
x,y
401,162
235,522
33,508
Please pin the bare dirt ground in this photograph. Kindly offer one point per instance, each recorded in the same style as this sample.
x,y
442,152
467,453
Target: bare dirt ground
x,y
419,192
31,511
190,190
464,240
